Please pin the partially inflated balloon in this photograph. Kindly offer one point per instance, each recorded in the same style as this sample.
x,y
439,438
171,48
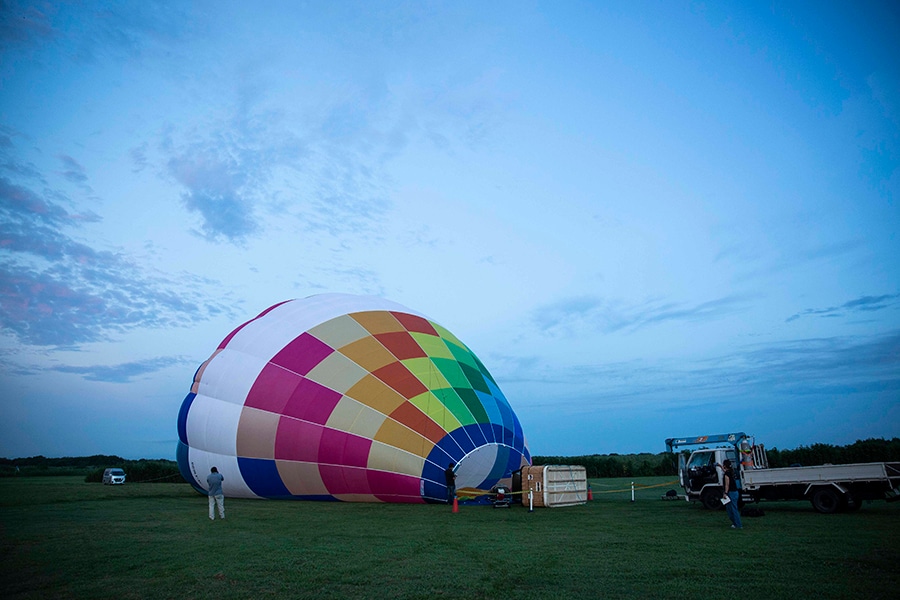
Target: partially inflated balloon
x,y
339,397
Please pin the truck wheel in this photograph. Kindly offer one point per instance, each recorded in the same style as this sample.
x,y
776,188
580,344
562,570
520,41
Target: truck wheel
x,y
711,499
826,500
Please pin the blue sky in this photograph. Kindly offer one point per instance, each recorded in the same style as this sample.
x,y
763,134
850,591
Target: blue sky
x,y
648,219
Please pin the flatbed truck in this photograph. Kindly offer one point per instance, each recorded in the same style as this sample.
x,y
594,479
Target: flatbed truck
x,y
829,488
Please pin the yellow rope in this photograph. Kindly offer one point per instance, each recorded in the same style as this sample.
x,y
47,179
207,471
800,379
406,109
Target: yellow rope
x,y
475,492
638,486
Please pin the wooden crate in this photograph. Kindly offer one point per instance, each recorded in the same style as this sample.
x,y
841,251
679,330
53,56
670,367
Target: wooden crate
x,y
554,485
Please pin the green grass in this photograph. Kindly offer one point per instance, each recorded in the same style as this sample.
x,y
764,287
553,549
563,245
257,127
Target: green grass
x,y
63,538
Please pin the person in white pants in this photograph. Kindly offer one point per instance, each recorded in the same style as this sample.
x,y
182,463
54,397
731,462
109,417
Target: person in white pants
x,y
216,496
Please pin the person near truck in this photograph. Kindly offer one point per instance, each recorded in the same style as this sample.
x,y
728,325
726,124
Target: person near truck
x,y
732,493
216,495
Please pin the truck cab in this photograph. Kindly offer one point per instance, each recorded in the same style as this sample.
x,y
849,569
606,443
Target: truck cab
x,y
701,474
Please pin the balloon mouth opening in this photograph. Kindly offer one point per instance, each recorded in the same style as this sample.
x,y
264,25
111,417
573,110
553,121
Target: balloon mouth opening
x,y
483,467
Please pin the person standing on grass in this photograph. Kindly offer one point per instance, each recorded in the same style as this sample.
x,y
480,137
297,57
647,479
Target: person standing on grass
x,y
450,477
216,496
733,495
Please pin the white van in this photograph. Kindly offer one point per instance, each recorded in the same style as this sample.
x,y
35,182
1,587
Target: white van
x,y
113,477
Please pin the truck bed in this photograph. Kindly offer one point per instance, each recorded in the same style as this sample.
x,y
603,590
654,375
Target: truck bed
x,y
887,472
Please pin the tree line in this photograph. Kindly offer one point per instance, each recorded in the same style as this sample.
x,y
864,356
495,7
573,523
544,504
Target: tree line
x,y
92,467
861,451
143,471
597,465
665,464
615,465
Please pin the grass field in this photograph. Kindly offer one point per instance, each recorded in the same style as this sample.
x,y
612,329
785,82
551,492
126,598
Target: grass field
x,y
63,538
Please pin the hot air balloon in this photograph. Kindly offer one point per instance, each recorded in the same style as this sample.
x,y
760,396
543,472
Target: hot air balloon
x,y
342,397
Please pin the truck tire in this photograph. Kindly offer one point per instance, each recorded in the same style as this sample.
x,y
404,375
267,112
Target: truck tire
x,y
711,498
826,500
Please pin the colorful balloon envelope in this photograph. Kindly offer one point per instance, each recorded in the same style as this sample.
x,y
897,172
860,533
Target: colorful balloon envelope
x,y
340,397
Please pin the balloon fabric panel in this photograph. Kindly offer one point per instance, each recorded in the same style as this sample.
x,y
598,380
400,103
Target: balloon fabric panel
x,y
368,353
301,355
311,402
399,378
256,433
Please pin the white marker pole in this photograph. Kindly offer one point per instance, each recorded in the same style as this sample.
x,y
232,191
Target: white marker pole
x,y
632,491
530,500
